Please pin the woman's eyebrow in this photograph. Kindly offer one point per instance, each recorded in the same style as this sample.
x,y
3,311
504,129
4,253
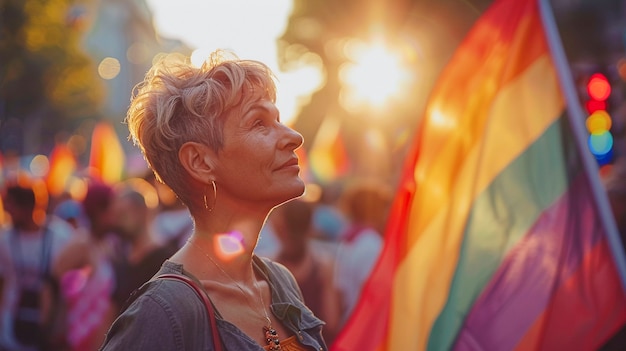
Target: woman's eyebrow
x,y
258,106
253,108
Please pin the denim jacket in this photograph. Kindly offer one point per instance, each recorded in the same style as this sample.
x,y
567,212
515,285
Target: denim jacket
x,y
168,315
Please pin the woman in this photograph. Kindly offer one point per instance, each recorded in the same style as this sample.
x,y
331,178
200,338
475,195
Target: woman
x,y
213,135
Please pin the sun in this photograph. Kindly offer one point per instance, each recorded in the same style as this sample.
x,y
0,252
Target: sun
x,y
373,75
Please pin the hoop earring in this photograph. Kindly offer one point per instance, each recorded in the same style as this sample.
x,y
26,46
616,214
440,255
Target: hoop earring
x,y
206,205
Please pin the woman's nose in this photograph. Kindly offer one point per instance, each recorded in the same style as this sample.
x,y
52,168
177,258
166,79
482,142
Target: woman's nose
x,y
292,139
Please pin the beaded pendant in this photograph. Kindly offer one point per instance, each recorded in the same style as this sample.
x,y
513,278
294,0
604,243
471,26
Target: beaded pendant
x,y
271,336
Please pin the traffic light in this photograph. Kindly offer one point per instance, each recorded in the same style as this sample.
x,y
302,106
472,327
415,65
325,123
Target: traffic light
x,y
599,120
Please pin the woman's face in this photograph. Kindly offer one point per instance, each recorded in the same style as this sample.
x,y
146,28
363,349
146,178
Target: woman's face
x,y
258,162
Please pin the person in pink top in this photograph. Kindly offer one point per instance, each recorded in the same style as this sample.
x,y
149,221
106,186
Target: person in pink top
x,y
86,273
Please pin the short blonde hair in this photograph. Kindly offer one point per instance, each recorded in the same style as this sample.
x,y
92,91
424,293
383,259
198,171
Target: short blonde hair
x,y
177,103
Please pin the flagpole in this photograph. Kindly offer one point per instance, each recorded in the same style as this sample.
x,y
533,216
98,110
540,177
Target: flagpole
x,y
577,117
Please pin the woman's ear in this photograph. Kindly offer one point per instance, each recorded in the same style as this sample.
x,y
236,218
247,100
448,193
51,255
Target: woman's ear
x,y
197,159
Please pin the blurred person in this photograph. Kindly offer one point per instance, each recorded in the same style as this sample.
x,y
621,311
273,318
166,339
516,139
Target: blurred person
x,y
328,220
28,247
71,211
142,254
313,270
85,269
365,204
213,135
172,225
268,244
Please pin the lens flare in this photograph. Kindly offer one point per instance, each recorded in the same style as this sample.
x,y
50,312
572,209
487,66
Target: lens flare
x,y
228,245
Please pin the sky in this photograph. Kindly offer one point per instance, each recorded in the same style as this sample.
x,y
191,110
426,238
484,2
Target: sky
x,y
247,27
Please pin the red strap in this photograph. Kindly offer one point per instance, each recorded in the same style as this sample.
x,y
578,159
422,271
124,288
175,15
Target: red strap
x,y
205,300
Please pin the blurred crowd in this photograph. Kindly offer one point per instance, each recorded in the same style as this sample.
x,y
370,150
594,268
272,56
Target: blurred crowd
x,y
69,263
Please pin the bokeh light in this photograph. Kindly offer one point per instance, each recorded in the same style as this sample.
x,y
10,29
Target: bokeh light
x,y
600,143
598,87
39,166
77,188
598,121
109,68
595,105
138,53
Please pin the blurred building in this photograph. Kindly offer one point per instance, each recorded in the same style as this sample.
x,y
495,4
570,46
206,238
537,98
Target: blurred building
x,y
123,30
123,42
86,60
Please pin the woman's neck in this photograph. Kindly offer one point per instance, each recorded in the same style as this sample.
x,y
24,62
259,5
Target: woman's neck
x,y
224,239
229,254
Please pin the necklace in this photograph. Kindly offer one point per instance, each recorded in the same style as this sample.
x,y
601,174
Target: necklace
x,y
271,335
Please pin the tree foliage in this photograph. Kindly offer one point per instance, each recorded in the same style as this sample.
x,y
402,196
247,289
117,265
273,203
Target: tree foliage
x,y
43,71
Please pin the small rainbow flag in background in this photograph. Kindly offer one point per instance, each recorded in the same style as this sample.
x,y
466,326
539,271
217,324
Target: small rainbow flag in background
x,y
63,165
106,157
499,237
328,158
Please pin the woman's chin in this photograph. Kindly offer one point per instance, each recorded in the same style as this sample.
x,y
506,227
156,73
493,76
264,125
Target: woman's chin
x,y
294,191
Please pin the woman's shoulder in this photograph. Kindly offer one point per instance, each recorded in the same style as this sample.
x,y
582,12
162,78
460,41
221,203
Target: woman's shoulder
x,y
154,316
168,292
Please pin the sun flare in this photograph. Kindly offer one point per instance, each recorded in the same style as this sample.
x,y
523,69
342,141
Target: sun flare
x,y
374,75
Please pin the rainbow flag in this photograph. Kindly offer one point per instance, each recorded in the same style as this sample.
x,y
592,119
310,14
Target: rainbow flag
x,y
63,165
106,157
494,240
328,157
